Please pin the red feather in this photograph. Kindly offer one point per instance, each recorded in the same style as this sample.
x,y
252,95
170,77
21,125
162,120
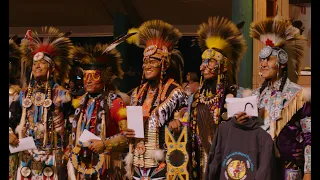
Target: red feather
x,y
269,43
47,48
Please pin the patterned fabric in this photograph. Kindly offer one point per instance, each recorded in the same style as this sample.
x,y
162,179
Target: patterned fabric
x,y
201,158
292,174
37,161
45,155
306,124
273,101
94,110
294,140
307,158
101,123
156,173
173,99
13,162
34,114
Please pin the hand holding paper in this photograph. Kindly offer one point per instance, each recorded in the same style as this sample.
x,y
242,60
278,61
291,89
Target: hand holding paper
x,y
86,136
135,120
247,104
24,144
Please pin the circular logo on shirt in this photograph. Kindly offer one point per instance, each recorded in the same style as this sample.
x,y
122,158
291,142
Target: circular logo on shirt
x,y
237,165
236,169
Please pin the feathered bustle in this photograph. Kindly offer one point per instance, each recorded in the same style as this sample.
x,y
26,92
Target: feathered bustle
x,y
14,51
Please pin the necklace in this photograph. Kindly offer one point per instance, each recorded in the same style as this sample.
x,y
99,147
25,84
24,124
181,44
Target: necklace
x,y
38,99
83,169
213,102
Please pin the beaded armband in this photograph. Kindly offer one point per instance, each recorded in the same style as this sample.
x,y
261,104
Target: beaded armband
x,y
114,141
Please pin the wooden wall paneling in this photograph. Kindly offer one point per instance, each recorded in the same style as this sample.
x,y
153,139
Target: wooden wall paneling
x,y
283,8
259,13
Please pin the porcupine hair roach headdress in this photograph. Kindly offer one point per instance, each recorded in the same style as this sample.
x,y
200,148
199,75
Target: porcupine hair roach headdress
x,y
159,39
221,40
101,57
52,47
14,60
282,40
93,57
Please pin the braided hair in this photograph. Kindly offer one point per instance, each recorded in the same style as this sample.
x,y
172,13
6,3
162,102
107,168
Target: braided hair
x,y
283,80
264,85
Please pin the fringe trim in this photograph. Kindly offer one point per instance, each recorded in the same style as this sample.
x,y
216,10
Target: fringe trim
x,y
103,125
289,110
78,133
107,158
45,140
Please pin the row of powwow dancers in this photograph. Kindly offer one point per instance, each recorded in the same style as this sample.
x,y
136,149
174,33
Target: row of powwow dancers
x,y
240,147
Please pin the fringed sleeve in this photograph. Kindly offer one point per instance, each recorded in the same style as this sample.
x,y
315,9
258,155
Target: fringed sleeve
x,y
290,109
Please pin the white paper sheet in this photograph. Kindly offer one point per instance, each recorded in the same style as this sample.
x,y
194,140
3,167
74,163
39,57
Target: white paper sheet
x,y
87,135
24,144
236,105
135,120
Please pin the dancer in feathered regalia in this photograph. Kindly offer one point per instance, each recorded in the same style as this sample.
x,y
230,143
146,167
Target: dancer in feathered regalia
x,y
160,96
223,47
284,106
102,112
44,102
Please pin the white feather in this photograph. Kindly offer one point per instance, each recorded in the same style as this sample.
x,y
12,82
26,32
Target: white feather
x,y
71,173
157,155
109,48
